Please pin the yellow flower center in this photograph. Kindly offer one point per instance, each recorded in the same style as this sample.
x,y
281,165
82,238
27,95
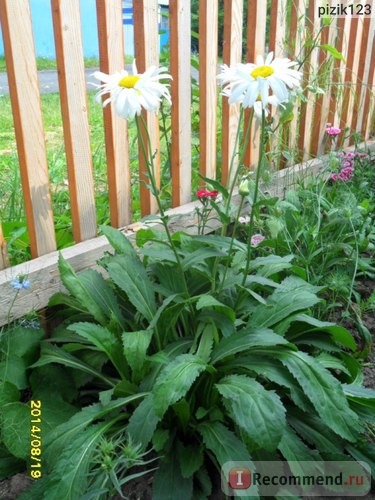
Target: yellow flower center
x,y
129,81
262,71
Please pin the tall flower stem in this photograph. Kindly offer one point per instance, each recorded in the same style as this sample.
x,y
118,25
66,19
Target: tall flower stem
x,y
255,197
149,159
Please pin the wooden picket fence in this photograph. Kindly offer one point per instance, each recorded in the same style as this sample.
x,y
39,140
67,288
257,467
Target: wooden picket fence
x,y
348,101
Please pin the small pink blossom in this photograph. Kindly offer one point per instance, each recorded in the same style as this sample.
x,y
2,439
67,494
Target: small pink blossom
x,y
333,131
347,163
350,155
204,193
244,220
256,239
335,177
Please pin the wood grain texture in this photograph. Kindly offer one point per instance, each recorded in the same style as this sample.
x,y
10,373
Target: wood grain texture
x,y
19,50
179,18
43,272
4,259
208,39
232,54
367,126
111,54
71,74
146,41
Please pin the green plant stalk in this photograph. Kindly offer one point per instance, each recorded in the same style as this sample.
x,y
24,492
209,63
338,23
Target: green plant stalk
x,y
255,198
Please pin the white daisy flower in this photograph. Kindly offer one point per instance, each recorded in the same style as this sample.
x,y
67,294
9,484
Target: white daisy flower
x,y
248,83
132,92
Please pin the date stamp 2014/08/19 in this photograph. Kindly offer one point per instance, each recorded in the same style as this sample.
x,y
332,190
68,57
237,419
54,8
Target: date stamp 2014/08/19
x,y
35,439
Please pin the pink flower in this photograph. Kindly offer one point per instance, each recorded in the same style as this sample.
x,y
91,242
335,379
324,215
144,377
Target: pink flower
x,y
335,177
256,239
204,193
350,155
347,163
244,220
332,130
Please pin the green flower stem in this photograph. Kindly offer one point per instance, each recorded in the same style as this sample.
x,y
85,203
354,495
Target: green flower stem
x,y
149,159
255,198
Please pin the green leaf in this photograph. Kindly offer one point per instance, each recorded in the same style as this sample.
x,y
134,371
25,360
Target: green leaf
x,y
324,391
52,381
245,340
223,443
144,235
9,464
294,449
258,412
13,370
143,422
103,295
293,294
53,354
104,340
191,459
8,393
129,274
169,484
78,289
22,343
118,240
208,301
15,429
175,380
333,51
135,348
272,264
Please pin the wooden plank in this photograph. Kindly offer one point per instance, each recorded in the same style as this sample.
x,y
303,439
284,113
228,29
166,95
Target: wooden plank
x,y
336,87
365,124
208,39
321,100
19,50
295,42
232,54
111,54
256,44
4,259
146,41
351,37
43,272
71,74
179,18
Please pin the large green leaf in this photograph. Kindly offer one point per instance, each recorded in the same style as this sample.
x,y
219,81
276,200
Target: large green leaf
x,y
104,340
259,412
15,428
324,391
223,443
135,348
13,370
143,422
245,340
78,289
53,354
169,484
191,459
9,464
175,380
207,301
118,240
130,275
22,343
292,295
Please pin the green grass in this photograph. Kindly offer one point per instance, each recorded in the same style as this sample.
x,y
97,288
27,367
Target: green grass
x,y
44,63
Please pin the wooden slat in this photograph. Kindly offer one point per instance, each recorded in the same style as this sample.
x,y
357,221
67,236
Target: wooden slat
x,y
111,53
71,73
310,67
321,100
146,41
179,18
208,39
351,37
256,44
232,53
336,88
295,46
24,93
368,90
4,259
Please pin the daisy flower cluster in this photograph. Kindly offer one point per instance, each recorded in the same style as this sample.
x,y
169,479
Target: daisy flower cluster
x,y
258,85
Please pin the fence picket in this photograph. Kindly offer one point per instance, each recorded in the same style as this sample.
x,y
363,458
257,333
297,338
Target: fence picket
x,y
208,36
4,258
71,73
16,25
232,52
146,45
111,50
179,18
